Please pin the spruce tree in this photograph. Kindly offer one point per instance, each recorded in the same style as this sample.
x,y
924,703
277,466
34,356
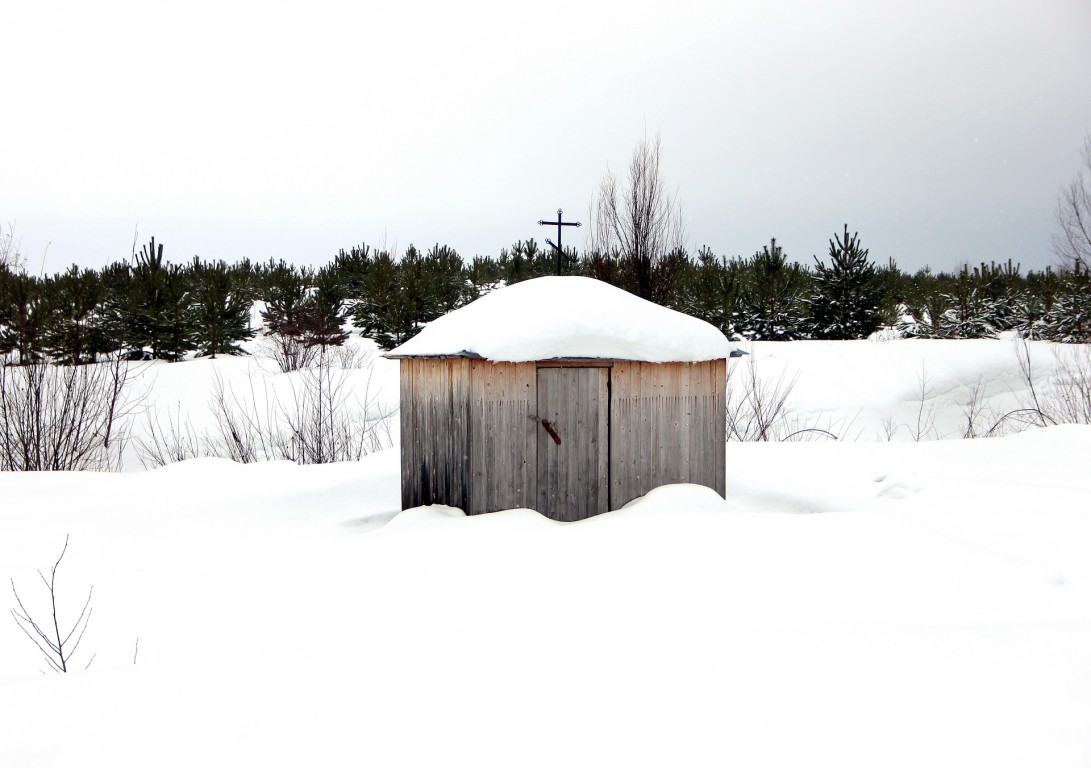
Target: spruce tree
x,y
847,292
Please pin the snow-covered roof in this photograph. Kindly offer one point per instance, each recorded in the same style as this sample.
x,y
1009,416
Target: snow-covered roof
x,y
567,317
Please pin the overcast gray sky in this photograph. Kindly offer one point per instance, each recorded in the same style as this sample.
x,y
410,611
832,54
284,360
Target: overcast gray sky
x,y
941,130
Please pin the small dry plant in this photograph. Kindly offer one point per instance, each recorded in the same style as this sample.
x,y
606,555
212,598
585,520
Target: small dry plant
x,y
57,647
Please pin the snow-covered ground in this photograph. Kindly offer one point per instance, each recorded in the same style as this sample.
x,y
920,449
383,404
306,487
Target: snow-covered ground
x,y
937,610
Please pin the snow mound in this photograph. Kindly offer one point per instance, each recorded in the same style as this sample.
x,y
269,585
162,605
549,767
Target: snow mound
x,y
552,317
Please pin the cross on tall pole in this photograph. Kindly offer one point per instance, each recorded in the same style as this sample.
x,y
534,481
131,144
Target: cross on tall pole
x,y
560,222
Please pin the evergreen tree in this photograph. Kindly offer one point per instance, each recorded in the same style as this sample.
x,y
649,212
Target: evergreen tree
x,y
115,283
75,333
710,290
284,289
157,321
1069,318
447,282
983,301
324,312
23,316
928,307
602,265
483,276
176,329
773,307
351,268
221,311
415,286
384,312
847,293
525,261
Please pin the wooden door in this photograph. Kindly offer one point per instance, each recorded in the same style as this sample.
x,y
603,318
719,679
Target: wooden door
x,y
573,448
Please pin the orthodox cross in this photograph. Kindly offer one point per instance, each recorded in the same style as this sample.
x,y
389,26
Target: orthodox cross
x,y
560,222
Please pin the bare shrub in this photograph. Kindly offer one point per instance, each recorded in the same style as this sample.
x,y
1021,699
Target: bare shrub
x,y
240,425
1069,401
56,650
161,445
756,410
973,410
318,426
289,351
924,427
64,417
1065,398
328,417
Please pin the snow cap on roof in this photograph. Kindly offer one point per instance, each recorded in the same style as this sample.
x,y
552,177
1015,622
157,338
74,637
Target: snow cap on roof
x,y
567,317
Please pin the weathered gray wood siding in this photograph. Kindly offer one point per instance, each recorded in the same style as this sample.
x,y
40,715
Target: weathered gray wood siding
x,y
502,448
667,425
435,431
573,483
472,437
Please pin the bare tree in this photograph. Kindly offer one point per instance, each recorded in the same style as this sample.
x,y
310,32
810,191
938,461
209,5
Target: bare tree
x,y
641,223
1072,243
10,257
57,647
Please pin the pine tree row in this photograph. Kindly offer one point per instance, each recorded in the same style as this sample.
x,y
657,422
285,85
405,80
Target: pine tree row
x,y
149,308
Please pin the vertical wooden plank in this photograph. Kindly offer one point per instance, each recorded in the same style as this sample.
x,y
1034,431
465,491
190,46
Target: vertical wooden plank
x,y
407,431
478,418
718,443
602,439
527,397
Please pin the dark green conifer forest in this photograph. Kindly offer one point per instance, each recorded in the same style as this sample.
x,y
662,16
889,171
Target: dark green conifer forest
x,y
151,307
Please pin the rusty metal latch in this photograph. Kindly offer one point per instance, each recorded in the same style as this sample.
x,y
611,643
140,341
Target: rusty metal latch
x,y
548,428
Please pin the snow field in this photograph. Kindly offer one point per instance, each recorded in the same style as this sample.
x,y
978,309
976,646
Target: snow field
x,y
851,603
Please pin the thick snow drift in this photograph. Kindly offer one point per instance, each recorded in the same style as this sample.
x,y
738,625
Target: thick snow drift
x,y
552,317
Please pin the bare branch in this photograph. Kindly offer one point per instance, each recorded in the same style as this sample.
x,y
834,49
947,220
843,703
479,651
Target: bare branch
x,y
52,647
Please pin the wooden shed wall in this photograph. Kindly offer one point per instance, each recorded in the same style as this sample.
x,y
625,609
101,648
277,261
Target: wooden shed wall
x,y
667,425
469,438
435,431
